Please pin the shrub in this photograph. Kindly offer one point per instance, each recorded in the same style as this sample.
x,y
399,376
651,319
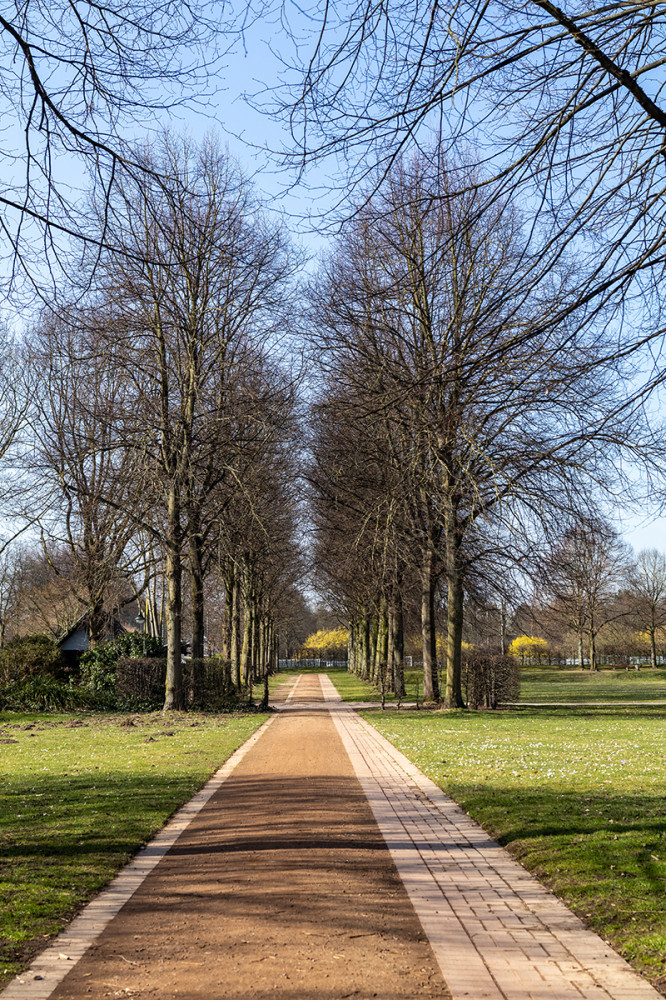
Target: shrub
x,y
326,643
98,665
529,647
137,644
98,668
41,693
208,683
139,680
30,656
490,680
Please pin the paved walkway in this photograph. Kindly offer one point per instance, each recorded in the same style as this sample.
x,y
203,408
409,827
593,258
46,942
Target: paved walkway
x,y
495,932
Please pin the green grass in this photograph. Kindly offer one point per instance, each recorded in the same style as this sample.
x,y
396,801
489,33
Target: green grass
x,y
79,796
579,797
275,681
352,688
538,684
552,684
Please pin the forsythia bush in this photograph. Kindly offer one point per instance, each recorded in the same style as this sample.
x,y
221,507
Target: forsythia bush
x,y
332,640
529,647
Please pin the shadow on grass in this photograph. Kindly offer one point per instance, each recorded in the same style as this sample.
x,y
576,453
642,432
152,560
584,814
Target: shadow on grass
x,y
47,816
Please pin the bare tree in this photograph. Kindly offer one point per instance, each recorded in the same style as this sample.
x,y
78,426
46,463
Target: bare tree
x,y
82,468
647,593
194,273
565,107
583,574
75,76
419,320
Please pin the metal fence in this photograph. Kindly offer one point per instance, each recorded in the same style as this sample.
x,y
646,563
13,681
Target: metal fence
x,y
315,664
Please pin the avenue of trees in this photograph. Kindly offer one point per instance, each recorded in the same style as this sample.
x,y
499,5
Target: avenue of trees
x,y
480,339
453,424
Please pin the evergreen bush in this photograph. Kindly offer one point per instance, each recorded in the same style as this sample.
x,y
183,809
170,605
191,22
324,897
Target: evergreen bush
x,y
98,665
42,693
30,656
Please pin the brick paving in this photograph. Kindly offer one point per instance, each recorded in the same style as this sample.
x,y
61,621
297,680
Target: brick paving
x,y
497,933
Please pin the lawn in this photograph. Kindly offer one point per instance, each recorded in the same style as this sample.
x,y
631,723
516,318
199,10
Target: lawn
x,y
79,795
542,684
548,684
578,796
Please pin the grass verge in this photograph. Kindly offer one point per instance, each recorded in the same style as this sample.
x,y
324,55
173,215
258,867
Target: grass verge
x,y
548,684
578,798
79,795
542,684
352,688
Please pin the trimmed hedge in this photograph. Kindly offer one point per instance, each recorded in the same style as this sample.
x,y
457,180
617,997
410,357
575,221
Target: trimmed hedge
x,y
490,680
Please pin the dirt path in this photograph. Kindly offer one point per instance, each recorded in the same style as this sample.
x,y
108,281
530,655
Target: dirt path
x,y
281,887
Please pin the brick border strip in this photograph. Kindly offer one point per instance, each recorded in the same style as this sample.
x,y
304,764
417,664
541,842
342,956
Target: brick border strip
x,y
50,967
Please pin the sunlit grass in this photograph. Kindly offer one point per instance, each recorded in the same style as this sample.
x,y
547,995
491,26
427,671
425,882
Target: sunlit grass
x,y
79,796
352,688
548,684
543,684
579,796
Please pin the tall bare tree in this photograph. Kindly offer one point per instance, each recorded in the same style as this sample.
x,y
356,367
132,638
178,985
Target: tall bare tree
x,y
194,272
83,469
566,106
583,574
647,592
419,317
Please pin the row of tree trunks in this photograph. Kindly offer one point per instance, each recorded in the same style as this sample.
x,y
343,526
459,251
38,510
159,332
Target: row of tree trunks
x,y
376,641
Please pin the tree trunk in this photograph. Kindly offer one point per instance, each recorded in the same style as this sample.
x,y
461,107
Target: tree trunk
x,y
390,646
581,658
246,651
197,596
454,610
593,649
174,667
228,612
365,648
262,664
397,652
351,649
398,642
428,638
502,628
251,671
653,650
235,644
373,635
96,622
454,629
381,650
